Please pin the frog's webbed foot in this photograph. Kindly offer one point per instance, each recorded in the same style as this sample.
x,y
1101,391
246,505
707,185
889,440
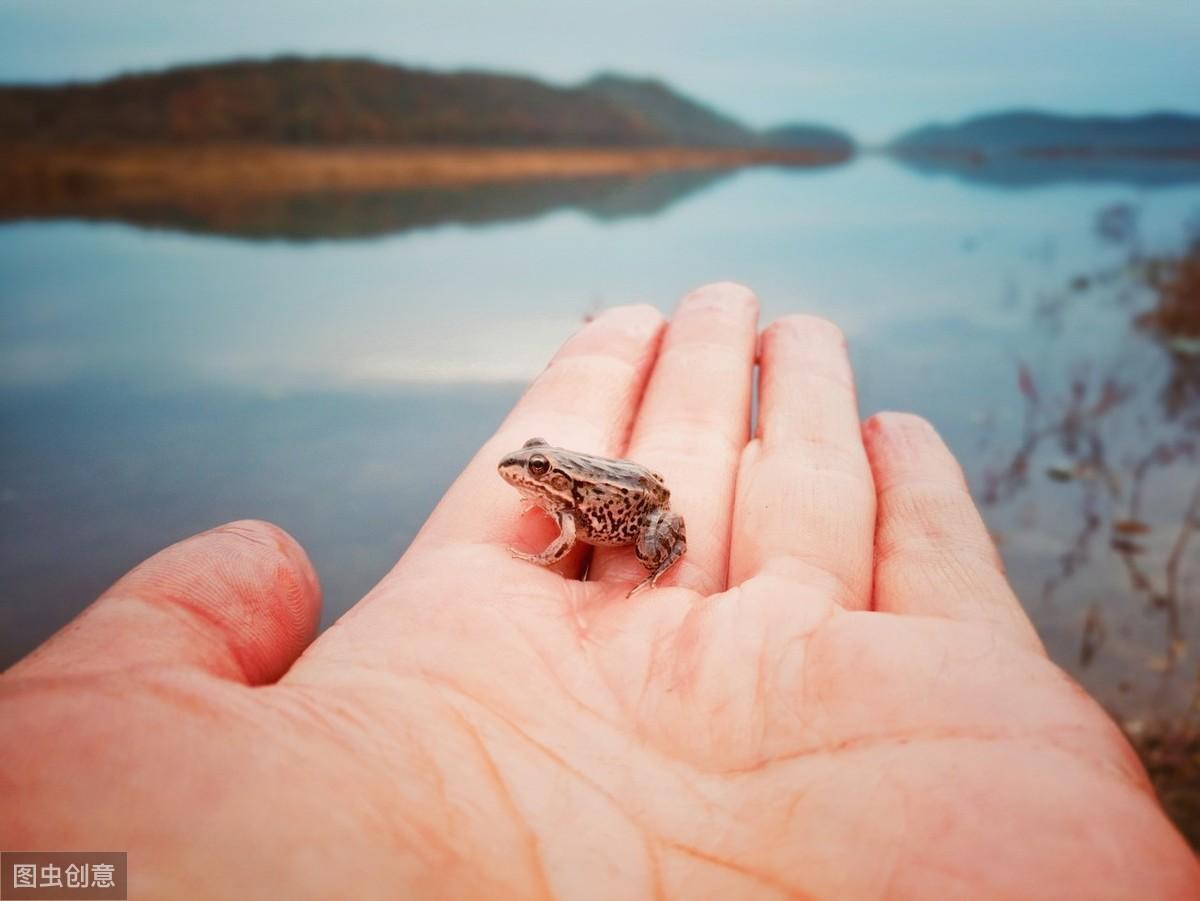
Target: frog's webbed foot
x,y
557,549
662,541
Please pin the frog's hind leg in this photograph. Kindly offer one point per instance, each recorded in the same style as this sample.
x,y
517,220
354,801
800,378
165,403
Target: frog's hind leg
x,y
558,548
661,542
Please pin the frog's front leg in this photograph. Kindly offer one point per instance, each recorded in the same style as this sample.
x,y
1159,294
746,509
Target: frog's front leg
x,y
557,549
661,542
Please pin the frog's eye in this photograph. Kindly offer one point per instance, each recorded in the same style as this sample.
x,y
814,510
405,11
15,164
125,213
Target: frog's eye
x,y
539,465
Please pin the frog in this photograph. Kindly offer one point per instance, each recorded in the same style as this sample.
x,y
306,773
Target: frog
x,y
600,501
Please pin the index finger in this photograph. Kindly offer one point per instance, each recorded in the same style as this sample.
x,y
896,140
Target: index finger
x,y
585,399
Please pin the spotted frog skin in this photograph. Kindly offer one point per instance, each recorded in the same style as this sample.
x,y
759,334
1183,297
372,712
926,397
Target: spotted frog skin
x,y
598,501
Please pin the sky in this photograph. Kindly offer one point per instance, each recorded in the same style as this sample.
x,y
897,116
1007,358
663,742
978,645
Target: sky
x,y
872,68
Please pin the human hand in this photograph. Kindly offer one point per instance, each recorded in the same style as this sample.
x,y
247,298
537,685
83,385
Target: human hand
x,y
835,693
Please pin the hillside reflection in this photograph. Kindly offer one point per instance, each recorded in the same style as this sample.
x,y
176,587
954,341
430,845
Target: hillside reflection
x,y
343,214
1033,171
347,214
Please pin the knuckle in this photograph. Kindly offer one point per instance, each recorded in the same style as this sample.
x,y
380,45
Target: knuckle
x,y
895,421
807,327
727,293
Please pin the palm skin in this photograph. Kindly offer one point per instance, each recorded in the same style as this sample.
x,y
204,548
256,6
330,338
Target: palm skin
x,y
834,694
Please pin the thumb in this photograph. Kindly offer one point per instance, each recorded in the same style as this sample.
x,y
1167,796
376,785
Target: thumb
x,y
240,601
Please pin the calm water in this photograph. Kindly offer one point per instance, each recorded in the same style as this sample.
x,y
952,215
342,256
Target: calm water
x,y
330,365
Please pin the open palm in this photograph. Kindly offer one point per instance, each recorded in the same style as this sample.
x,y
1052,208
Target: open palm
x,y
834,693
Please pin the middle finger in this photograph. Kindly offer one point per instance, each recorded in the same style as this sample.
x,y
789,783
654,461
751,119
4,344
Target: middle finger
x,y
691,428
806,499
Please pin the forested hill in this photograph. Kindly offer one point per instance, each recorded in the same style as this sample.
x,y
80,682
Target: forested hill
x,y
291,100
1027,132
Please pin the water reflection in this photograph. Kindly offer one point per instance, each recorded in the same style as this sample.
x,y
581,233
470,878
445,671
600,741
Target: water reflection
x,y
1034,171
350,214
153,383
1116,437
340,214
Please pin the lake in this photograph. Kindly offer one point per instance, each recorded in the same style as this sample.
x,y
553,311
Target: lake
x,y
330,362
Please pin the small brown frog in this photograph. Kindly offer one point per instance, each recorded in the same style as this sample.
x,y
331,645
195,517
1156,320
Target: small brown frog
x,y
599,501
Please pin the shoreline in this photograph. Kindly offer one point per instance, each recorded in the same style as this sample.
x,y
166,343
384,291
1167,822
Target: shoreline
x,y
37,176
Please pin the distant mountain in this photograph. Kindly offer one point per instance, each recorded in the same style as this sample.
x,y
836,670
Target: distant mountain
x,y
655,106
1028,149
290,100
1031,133
810,137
